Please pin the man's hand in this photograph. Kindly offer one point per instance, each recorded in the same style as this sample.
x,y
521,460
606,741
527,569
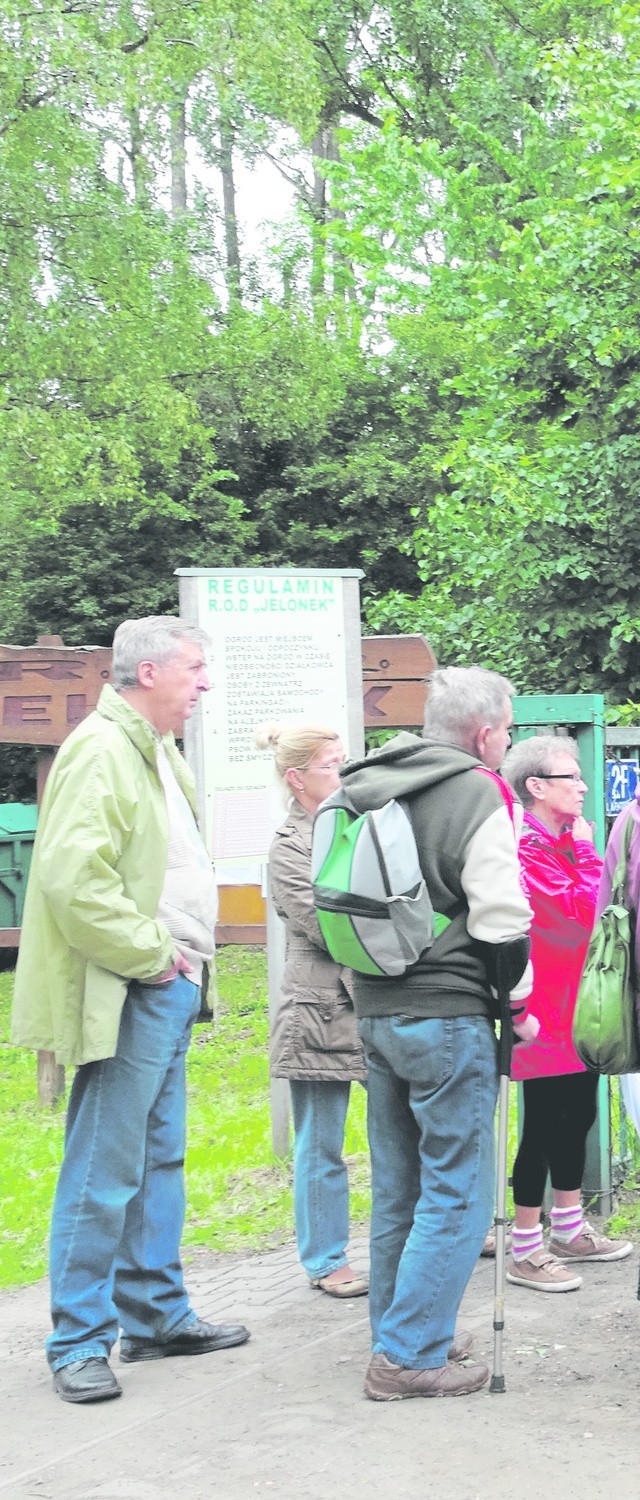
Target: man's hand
x,y
528,1029
180,965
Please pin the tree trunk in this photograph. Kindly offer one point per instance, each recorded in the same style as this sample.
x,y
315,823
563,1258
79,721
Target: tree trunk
x,y
178,145
232,246
139,164
319,215
343,278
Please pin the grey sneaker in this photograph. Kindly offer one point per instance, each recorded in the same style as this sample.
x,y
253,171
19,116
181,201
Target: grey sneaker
x,y
543,1273
387,1382
591,1246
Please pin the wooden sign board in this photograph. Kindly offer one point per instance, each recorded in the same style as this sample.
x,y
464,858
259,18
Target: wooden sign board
x,y
395,669
46,690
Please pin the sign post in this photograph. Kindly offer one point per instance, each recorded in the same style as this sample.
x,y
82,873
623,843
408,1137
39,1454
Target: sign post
x,y
285,644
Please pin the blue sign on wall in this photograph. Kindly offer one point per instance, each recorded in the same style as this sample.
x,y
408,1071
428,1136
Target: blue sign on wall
x,y
622,779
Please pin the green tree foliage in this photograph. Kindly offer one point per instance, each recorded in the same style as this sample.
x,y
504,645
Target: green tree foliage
x,y
108,314
444,390
526,324
98,294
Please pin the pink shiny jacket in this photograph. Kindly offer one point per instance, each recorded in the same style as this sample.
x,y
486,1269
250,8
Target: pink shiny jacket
x,y
562,877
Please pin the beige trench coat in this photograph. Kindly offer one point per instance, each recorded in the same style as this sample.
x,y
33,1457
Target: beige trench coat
x,y
315,1034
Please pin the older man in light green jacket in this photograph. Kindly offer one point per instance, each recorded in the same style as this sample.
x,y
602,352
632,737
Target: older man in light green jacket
x,y
118,923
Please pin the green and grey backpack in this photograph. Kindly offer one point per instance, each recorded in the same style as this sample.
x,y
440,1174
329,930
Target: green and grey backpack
x,y
373,906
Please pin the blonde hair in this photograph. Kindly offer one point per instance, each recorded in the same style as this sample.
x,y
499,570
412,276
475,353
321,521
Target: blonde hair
x,y
293,744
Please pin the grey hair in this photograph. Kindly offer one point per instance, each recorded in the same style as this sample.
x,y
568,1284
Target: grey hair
x,y
533,757
155,638
463,700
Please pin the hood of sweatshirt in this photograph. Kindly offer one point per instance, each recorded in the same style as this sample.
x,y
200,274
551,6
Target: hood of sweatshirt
x,y
403,766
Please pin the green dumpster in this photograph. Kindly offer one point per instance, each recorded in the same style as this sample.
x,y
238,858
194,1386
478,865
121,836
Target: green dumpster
x,y
17,832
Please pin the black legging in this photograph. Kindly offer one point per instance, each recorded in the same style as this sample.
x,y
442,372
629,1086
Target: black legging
x,y
558,1114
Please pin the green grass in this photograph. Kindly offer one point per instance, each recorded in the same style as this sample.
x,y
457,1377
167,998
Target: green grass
x,y
626,1152
239,1193
31,1152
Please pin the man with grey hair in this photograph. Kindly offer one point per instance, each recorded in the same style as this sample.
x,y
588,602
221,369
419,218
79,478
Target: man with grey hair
x,y
118,924
429,1034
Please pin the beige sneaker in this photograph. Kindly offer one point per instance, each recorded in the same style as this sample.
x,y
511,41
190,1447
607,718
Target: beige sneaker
x,y
488,1251
387,1382
543,1273
591,1246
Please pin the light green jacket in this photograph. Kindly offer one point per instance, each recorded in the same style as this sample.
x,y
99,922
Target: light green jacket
x,y
97,871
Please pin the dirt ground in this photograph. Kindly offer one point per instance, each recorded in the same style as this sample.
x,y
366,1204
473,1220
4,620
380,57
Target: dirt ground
x,y
285,1416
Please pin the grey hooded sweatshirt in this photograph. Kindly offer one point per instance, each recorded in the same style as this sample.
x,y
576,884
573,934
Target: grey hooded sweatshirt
x,y
467,845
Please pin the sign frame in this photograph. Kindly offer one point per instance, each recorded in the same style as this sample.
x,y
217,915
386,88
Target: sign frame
x,y
190,609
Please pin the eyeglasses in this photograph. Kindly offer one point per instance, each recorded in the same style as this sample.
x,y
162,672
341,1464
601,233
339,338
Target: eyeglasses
x,y
560,776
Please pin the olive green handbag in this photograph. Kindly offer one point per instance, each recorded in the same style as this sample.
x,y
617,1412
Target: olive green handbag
x,y
605,1033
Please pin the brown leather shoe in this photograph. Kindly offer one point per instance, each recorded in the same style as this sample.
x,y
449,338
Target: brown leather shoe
x,y
460,1347
387,1382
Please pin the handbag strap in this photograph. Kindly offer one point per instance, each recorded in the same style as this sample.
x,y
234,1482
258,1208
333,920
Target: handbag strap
x,y
619,881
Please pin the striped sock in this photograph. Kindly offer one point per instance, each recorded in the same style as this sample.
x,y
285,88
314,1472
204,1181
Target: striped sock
x,y
525,1242
567,1223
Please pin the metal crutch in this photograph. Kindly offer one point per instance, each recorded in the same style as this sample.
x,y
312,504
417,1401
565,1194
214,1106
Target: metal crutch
x,y
507,963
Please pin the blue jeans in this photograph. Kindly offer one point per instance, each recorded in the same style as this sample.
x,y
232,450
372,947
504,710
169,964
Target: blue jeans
x,y
431,1102
119,1205
320,1186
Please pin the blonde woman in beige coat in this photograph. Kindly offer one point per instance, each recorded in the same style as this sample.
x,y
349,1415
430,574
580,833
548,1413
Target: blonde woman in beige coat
x,y
315,1042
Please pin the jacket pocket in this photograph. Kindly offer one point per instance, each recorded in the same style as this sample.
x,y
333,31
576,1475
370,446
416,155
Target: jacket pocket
x,y
324,1025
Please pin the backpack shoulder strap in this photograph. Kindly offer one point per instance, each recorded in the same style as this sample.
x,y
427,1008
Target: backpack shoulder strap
x,y
505,790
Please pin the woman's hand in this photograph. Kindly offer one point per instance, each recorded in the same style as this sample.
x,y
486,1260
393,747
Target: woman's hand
x,y
582,830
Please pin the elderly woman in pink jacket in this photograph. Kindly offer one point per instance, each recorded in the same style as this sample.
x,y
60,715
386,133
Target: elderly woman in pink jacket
x,y
562,874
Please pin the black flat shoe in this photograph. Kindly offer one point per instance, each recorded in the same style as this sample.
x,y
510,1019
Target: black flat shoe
x,y
86,1380
196,1338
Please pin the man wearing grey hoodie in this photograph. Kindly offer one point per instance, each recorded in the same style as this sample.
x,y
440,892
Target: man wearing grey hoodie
x,y
429,1034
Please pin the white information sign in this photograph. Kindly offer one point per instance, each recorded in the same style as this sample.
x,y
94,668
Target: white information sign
x,y
279,652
